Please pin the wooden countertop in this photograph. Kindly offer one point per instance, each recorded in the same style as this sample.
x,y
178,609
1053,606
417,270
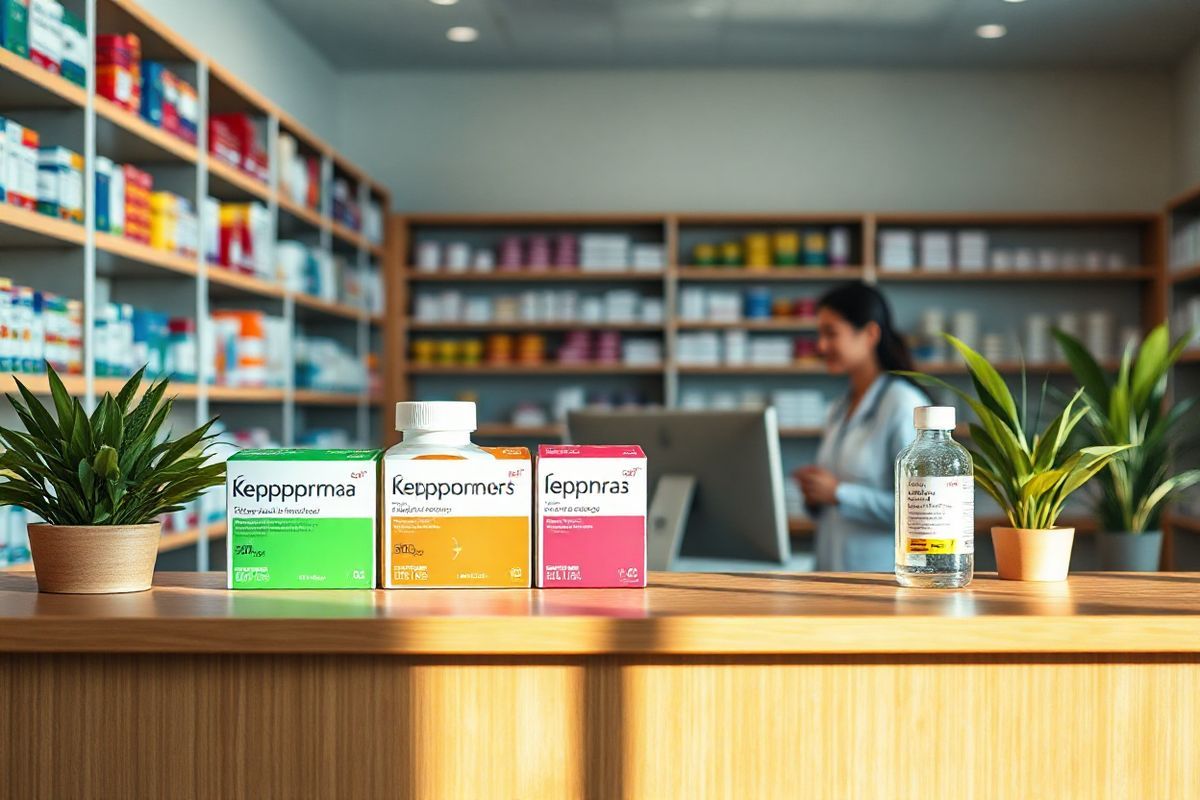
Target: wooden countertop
x,y
678,614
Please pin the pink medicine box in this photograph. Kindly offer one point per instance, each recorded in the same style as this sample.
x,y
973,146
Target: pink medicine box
x,y
591,516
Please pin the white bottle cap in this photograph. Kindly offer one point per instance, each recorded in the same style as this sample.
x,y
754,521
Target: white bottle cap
x,y
934,418
437,415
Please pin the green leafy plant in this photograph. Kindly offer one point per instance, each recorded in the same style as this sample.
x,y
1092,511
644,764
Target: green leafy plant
x,y
1031,477
115,467
1130,409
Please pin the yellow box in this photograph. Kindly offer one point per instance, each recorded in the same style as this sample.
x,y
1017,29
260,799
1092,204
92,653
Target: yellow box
x,y
457,523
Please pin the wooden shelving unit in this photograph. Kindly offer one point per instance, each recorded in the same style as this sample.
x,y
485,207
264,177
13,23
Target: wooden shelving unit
x,y
920,275
783,274
540,276
534,369
21,226
181,285
453,327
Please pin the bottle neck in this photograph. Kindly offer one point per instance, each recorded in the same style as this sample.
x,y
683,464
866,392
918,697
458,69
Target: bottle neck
x,y
437,438
932,435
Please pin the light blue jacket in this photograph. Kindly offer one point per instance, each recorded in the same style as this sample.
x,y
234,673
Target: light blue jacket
x,y
858,534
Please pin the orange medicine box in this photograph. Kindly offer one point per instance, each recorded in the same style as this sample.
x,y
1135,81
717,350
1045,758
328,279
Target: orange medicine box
x,y
452,523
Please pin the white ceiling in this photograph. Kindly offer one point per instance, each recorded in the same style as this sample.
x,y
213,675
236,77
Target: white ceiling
x,y
399,34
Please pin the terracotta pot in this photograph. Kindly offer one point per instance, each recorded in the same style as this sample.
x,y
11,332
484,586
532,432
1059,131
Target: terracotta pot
x,y
1033,555
1130,552
94,559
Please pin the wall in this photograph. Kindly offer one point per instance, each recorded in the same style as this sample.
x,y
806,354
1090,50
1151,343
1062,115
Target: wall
x,y
749,139
262,49
1187,120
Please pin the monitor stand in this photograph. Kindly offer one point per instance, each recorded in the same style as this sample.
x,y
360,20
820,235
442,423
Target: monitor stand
x,y
667,520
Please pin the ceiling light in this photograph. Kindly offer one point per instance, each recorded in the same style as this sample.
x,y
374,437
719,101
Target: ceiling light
x,y
452,2
462,33
990,31
1007,1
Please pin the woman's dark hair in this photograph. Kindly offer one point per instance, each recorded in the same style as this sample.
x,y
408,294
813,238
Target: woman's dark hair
x,y
860,304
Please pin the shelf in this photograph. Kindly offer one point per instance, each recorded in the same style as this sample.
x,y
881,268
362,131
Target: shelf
x,y
39,384
535,326
514,276
1015,218
176,389
329,307
312,397
352,238
504,430
244,394
151,143
230,183
797,368
768,325
534,369
746,275
1184,523
1005,368
302,212
801,433
20,227
244,283
1057,276
178,541
24,84
145,254
1190,357
1185,275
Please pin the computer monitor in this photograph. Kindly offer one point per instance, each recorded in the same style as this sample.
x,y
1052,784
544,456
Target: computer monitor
x,y
716,479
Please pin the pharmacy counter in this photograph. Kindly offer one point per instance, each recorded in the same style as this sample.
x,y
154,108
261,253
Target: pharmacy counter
x,y
731,686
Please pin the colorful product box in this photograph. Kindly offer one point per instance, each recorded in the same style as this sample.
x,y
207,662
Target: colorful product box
x,y
302,519
116,202
46,34
14,26
60,183
591,516
457,523
74,49
21,168
104,171
153,73
118,69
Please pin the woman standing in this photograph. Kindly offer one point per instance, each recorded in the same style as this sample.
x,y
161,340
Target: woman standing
x,y
849,490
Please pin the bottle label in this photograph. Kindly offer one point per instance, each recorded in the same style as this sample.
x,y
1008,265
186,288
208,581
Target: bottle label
x,y
937,517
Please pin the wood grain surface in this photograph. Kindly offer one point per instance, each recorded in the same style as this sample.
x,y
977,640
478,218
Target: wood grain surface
x,y
677,614
837,727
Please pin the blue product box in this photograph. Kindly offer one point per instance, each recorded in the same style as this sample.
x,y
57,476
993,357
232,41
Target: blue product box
x,y
103,199
152,92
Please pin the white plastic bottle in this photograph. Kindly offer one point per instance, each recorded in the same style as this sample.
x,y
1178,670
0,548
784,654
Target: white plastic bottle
x,y
935,505
436,428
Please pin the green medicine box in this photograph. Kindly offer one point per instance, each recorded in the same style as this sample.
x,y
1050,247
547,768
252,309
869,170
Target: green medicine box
x,y
14,26
302,519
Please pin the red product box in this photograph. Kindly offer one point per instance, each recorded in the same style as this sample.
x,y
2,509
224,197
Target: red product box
x,y
119,69
235,139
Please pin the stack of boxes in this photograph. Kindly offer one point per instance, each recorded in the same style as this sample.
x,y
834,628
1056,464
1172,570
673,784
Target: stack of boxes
x,y
47,34
60,183
19,159
138,186
237,140
118,69
169,102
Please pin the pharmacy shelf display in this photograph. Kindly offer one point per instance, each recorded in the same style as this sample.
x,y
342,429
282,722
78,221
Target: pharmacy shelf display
x,y
1182,293
182,212
493,301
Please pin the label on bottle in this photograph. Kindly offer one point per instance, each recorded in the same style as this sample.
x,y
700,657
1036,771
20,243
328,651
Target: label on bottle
x,y
937,517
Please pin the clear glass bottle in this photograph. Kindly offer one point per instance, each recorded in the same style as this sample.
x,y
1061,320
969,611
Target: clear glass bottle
x,y
436,429
935,505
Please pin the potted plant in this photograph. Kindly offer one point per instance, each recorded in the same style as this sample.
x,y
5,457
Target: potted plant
x,y
100,482
1130,409
1029,475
